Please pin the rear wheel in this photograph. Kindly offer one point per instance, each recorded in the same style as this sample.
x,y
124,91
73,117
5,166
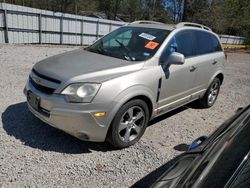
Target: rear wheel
x,y
129,124
211,94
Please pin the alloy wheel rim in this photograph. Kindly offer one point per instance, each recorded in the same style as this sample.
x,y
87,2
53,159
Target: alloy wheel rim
x,y
131,124
214,90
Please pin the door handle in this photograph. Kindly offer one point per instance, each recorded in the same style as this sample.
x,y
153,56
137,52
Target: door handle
x,y
214,62
192,68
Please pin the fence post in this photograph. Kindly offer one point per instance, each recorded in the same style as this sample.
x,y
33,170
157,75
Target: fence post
x,y
40,28
110,27
61,29
5,19
97,29
227,39
82,32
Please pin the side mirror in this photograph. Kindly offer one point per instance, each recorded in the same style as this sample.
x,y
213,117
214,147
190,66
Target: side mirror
x,y
174,58
239,109
188,147
197,142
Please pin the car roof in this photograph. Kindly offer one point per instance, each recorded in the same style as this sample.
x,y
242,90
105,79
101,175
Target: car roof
x,y
155,26
159,25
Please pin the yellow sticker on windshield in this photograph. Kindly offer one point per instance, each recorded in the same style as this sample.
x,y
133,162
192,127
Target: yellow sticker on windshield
x,y
151,45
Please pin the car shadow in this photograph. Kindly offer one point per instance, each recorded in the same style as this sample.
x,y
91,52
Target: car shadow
x,y
181,147
150,178
19,122
192,105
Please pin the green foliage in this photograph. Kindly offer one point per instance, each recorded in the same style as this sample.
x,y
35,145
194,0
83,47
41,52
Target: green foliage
x,y
223,16
128,10
235,16
131,10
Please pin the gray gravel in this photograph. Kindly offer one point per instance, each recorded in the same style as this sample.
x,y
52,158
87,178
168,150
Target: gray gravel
x,y
34,154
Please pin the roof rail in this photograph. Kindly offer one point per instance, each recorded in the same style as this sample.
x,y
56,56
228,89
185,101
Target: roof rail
x,y
190,24
145,22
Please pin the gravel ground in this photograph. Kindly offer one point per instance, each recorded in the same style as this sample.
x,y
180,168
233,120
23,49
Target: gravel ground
x,y
34,154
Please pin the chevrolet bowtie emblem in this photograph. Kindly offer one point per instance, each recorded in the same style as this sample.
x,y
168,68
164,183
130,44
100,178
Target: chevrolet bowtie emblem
x,y
37,80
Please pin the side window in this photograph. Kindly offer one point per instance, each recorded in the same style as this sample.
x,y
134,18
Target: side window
x,y
182,42
203,43
206,43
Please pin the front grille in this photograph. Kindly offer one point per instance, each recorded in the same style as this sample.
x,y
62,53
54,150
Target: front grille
x,y
41,88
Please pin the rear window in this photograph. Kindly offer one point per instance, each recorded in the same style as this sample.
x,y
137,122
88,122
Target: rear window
x,y
206,43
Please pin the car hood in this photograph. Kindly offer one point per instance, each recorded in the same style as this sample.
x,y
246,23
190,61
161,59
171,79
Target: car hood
x,y
81,64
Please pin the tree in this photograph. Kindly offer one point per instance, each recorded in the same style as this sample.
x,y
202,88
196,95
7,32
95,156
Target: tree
x,y
131,10
155,10
196,11
233,17
175,9
110,7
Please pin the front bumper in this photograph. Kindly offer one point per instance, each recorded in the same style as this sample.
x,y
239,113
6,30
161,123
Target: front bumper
x,y
75,119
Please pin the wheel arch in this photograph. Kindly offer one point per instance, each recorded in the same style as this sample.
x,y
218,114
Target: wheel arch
x,y
137,92
146,99
219,75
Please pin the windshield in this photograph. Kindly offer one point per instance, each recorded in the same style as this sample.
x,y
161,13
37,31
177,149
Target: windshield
x,y
130,43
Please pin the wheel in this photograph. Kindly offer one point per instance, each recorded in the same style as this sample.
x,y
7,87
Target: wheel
x,y
129,124
211,94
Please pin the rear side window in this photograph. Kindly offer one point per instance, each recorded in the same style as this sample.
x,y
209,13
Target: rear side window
x,y
216,44
206,43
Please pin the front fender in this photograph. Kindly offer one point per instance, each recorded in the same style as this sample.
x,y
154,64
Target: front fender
x,y
129,93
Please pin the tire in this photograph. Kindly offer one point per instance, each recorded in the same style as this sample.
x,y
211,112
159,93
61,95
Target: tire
x,y
129,124
211,94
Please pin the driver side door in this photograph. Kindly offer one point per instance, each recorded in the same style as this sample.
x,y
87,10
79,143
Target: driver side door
x,y
178,80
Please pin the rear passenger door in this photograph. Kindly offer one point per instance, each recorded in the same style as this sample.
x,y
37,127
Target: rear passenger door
x,y
208,56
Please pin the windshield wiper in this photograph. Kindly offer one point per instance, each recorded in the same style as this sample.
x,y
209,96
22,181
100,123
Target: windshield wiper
x,y
126,49
101,51
98,49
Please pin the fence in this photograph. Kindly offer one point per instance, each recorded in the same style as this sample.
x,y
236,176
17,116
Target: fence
x,y
232,40
20,24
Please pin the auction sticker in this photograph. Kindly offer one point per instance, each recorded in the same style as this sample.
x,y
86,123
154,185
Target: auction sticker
x,y
147,36
151,45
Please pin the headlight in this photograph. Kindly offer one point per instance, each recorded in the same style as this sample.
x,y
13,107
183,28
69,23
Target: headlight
x,y
81,92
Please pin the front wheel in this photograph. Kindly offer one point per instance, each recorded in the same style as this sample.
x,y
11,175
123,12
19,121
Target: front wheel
x,y
211,94
129,124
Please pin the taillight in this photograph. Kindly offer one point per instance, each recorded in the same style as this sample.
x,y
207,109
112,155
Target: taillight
x,y
225,53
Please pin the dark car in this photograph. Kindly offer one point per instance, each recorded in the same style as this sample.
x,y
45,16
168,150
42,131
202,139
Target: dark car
x,y
221,160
